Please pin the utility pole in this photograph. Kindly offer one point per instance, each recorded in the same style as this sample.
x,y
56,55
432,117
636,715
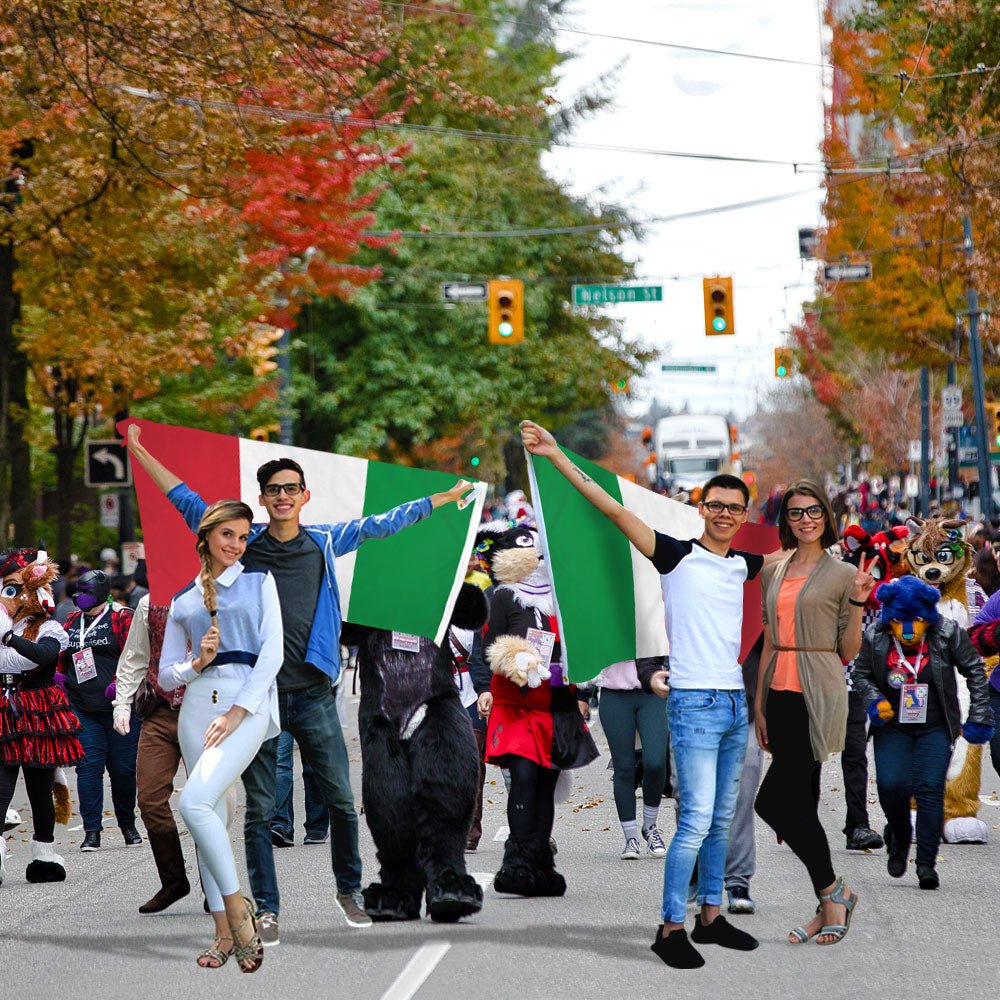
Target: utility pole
x,y
953,482
978,381
925,440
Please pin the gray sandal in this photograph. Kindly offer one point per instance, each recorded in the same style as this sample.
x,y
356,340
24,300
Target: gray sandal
x,y
801,935
838,931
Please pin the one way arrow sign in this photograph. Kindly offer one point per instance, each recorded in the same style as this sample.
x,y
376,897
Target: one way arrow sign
x,y
107,464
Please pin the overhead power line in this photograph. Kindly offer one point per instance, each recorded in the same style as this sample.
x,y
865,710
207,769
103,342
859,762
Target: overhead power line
x,y
594,227
630,39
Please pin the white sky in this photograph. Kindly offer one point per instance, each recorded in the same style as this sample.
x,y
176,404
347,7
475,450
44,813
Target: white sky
x,y
666,99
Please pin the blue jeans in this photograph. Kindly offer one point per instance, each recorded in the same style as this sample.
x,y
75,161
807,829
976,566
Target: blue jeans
x,y
106,750
708,734
311,718
317,815
911,764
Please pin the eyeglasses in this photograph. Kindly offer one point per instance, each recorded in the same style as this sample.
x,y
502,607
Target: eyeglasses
x,y
814,512
717,507
292,489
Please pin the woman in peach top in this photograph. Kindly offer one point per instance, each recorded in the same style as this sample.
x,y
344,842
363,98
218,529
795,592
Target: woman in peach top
x,y
812,605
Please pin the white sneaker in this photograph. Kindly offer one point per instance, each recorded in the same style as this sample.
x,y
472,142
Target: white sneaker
x,y
654,841
632,850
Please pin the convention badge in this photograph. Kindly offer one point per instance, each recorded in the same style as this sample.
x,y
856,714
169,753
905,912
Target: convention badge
x,y
405,642
913,702
544,642
84,665
897,678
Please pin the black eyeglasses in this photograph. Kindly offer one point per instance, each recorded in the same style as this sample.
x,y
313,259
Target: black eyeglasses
x,y
814,512
717,507
292,489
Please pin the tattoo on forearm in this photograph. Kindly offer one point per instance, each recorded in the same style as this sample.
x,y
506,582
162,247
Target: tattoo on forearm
x,y
583,475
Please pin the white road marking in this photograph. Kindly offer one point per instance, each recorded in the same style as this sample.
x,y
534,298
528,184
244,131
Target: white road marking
x,y
73,829
484,879
502,834
416,971
989,800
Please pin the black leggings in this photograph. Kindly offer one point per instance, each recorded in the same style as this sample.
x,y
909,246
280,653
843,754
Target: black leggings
x,y
788,800
38,782
531,808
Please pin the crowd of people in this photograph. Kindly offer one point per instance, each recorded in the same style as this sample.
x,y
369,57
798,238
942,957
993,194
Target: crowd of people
x,y
247,661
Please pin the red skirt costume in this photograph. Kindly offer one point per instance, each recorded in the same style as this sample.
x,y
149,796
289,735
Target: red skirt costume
x,y
542,724
37,725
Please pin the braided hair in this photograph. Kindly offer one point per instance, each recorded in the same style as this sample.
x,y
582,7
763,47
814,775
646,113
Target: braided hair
x,y
216,514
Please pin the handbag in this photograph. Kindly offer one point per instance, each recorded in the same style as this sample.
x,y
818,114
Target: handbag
x,y
146,699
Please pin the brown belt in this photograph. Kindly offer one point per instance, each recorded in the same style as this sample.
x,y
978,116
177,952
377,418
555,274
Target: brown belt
x,y
802,649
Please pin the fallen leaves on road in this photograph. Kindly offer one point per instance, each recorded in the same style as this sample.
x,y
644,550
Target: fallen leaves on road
x,y
589,804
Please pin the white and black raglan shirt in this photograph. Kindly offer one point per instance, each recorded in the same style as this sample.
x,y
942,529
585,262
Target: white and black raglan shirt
x,y
703,601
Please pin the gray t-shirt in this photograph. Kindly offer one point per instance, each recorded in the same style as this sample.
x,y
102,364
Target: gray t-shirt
x,y
297,568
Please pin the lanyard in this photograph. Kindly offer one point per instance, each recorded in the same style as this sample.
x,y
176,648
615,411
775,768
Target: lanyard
x,y
84,632
904,662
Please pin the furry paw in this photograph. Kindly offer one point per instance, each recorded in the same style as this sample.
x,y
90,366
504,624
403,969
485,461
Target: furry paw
x,y
514,658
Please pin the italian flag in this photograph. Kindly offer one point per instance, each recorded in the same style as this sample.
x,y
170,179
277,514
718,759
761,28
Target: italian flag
x,y
610,601
407,583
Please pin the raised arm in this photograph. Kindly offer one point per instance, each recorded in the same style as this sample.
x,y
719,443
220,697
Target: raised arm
x,y
540,442
165,480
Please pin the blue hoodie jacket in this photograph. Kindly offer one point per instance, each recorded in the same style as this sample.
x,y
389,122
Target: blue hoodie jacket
x,y
334,540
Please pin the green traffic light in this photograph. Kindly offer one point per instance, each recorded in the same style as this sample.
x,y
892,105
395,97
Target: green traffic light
x,y
781,371
505,329
719,324
474,461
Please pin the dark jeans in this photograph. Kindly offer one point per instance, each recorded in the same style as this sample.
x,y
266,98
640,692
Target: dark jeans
x,y
913,765
995,742
788,800
106,749
854,762
317,815
311,717
623,714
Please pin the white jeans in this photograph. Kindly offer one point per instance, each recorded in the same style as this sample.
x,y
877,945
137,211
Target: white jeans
x,y
203,801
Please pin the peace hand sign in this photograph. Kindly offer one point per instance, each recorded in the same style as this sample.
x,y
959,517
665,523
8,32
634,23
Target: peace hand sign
x,y
864,582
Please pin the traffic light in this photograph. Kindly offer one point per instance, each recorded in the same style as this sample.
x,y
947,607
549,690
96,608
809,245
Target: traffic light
x,y
620,385
782,362
718,293
992,424
506,309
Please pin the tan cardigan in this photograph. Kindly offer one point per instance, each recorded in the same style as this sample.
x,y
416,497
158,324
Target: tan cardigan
x,y
821,613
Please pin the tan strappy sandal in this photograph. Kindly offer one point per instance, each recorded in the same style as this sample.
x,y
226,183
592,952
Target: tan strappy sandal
x,y
252,952
214,957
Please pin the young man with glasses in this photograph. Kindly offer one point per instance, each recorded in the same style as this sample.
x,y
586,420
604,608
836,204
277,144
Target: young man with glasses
x,y
302,560
702,582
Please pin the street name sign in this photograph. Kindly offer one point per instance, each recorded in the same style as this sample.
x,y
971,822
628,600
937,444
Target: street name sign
x,y
599,295
848,272
106,464
688,368
463,291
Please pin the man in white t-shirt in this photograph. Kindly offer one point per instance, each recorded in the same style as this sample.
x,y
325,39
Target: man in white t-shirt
x,y
702,582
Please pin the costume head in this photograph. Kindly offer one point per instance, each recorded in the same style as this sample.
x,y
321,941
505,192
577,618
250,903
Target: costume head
x,y
26,592
508,552
909,608
882,552
92,589
938,554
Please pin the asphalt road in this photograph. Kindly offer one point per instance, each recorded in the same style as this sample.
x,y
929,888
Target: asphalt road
x,y
85,937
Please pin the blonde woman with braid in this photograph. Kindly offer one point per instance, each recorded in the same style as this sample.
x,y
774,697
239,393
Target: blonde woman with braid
x,y
224,642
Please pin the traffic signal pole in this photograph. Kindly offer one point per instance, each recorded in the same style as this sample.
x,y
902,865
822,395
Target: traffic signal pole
x,y
978,382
